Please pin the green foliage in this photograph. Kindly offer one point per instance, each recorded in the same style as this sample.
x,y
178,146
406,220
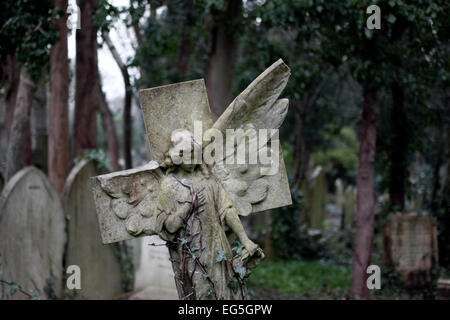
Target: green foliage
x,y
15,288
99,155
221,256
241,271
27,32
340,154
237,247
234,285
49,288
124,254
300,277
287,240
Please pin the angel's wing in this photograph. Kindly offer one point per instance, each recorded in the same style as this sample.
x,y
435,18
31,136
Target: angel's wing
x,y
258,104
124,200
252,186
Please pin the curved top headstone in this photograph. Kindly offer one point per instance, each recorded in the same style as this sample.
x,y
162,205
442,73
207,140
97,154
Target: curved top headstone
x,y
100,268
32,236
2,182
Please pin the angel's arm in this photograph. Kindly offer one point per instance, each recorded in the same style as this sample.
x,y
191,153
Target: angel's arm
x,y
235,224
175,221
231,217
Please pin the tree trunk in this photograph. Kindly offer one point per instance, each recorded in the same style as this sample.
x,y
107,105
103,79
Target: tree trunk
x,y
222,60
439,150
58,128
299,149
87,81
185,50
399,148
110,129
365,199
38,124
444,210
19,146
11,78
127,119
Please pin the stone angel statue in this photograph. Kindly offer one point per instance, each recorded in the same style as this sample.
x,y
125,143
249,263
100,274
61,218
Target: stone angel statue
x,y
194,190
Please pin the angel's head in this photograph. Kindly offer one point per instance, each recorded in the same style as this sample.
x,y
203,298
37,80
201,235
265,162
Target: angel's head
x,y
185,150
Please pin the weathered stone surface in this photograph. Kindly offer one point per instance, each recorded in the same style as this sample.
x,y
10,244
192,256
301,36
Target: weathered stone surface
x,y
349,207
32,234
154,277
194,207
315,190
410,245
2,182
116,196
175,106
347,201
100,268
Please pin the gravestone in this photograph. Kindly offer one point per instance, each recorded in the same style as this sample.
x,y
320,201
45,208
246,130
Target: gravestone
x,y
32,236
154,277
195,206
2,182
349,207
100,268
315,190
443,286
410,246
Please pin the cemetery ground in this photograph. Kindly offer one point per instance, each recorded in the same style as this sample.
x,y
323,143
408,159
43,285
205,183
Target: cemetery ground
x,y
329,278
308,265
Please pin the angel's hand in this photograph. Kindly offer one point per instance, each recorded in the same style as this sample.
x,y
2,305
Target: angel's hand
x,y
251,248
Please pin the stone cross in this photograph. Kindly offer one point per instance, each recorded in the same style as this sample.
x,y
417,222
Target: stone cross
x,y
203,176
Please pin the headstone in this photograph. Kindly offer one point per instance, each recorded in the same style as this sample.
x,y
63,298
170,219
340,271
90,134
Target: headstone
x,y
349,207
179,200
443,286
32,236
315,190
410,246
100,267
2,182
154,277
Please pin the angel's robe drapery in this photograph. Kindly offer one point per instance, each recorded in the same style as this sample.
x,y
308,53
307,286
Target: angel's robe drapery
x,y
209,238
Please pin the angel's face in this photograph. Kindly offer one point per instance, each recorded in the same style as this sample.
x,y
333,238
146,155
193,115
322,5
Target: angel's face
x,y
184,146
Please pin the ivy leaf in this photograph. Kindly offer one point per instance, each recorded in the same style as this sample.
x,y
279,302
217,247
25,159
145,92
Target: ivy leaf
x,y
14,287
183,241
242,271
35,298
205,276
234,286
194,256
221,256
237,247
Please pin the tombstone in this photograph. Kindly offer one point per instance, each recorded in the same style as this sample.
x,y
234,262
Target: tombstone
x,y
349,207
410,246
100,267
2,182
443,286
179,200
315,190
154,278
32,236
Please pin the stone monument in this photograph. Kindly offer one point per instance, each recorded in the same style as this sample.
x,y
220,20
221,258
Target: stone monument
x,y
410,246
32,236
203,176
100,268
